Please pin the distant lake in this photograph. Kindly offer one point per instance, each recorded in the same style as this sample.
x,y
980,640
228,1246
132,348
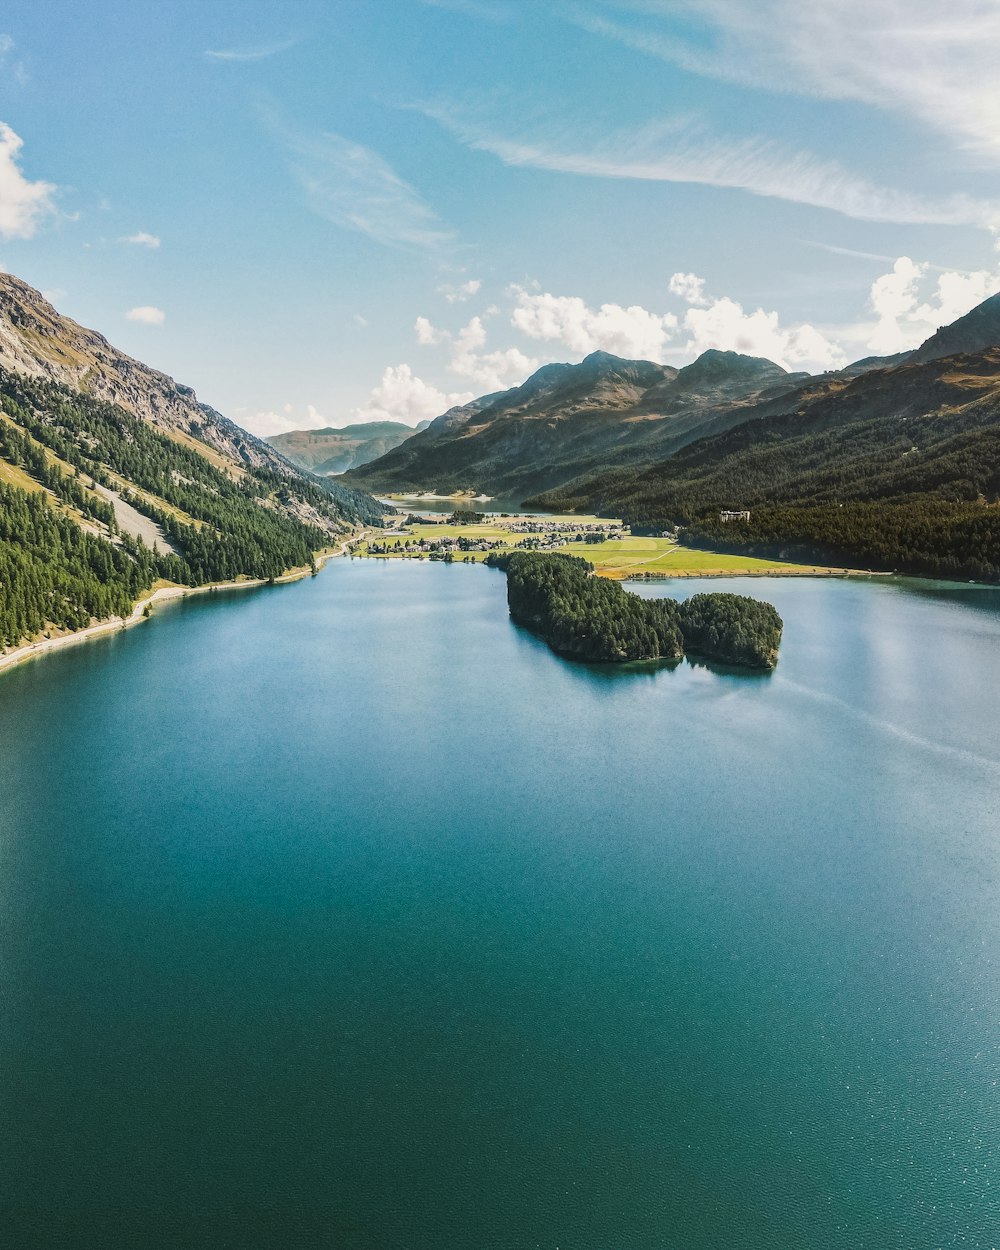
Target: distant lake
x,y
345,914
492,507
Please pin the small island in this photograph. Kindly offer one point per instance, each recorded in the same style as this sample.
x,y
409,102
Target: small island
x,y
594,619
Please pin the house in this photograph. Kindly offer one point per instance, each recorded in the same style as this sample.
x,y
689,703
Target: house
x,y
734,516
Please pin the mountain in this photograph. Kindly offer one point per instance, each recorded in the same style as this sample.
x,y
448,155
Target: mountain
x,y
891,468
113,476
975,332
569,419
329,451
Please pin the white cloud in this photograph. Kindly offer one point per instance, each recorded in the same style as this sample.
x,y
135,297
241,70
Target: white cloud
x,y
147,315
493,371
724,325
905,318
402,396
460,293
359,320
490,371
632,332
427,334
267,424
11,68
54,295
141,239
676,150
689,287
637,332
936,64
356,189
23,204
258,53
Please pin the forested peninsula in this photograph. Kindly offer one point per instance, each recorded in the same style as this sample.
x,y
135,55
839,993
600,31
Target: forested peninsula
x,y
594,619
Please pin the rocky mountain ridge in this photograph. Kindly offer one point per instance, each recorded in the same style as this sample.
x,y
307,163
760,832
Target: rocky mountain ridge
x,y
38,341
567,418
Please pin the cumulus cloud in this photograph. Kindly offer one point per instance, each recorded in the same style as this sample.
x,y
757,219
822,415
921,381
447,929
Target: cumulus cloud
x,y
689,287
637,332
141,239
490,371
460,293
266,424
908,310
402,396
23,203
147,315
724,325
632,332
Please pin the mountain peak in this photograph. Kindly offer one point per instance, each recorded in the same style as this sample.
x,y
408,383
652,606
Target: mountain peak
x,y
975,332
715,366
716,358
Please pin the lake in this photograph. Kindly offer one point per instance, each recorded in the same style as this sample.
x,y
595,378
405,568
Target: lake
x,y
345,914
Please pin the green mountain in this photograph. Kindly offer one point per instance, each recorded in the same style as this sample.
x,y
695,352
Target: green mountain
x,y
569,419
113,476
896,468
330,451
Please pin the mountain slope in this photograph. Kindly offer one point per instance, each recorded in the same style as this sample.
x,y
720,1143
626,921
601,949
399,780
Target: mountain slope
x,y
975,332
112,476
330,451
897,468
567,419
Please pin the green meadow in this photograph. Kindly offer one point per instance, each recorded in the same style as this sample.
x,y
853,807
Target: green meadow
x,y
619,557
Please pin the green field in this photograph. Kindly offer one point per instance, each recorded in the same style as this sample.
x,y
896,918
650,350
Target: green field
x,y
628,556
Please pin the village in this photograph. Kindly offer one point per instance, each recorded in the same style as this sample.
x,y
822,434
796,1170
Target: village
x,y
471,534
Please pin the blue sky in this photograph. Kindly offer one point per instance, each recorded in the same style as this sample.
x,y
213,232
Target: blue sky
x,y
317,213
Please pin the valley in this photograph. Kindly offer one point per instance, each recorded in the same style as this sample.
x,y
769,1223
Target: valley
x,y
613,550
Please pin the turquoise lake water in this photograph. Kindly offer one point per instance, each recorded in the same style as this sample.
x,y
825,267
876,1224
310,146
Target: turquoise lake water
x,y
345,914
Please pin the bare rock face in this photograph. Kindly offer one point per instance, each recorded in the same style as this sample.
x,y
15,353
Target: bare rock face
x,y
37,340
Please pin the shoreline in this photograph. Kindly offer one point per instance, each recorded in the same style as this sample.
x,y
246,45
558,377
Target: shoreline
x,y
818,572
165,594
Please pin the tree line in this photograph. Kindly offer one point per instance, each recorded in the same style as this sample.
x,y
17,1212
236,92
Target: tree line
x,y
591,618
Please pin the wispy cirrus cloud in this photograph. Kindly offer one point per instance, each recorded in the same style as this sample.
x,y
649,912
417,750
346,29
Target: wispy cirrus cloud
x,y
935,64
10,66
258,52
682,150
355,188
